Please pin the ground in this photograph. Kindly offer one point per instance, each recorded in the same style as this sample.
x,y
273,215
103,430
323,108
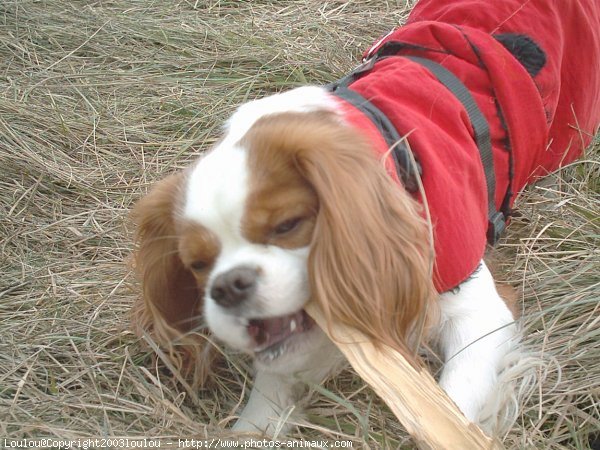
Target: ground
x,y
100,99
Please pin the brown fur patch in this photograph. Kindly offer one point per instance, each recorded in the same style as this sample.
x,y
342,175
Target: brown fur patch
x,y
198,249
510,295
277,192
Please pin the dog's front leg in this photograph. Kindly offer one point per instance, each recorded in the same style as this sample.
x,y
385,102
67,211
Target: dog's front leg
x,y
477,331
271,400
279,392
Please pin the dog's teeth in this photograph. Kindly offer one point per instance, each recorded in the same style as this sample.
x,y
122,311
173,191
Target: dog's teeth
x,y
293,325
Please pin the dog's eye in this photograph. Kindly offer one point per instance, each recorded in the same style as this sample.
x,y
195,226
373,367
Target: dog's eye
x,y
287,225
198,266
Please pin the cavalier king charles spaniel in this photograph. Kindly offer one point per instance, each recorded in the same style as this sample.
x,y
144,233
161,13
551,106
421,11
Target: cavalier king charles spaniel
x,y
297,203
290,206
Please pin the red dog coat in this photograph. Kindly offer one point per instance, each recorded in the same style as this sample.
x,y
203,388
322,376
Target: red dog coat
x,y
536,124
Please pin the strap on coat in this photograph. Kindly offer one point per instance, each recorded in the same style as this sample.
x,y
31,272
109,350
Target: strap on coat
x,y
496,220
403,161
402,158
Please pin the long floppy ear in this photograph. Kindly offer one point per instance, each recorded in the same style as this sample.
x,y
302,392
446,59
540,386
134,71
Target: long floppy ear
x,y
370,260
169,307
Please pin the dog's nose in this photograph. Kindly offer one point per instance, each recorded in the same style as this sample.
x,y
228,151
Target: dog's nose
x,y
233,287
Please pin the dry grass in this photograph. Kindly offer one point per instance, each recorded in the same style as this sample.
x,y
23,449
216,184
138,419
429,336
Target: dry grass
x,y
100,99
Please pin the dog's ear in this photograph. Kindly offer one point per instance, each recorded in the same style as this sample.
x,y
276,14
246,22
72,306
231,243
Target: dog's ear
x,y
169,307
370,260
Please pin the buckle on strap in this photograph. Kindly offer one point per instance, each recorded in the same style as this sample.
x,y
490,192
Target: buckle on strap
x,y
496,226
348,79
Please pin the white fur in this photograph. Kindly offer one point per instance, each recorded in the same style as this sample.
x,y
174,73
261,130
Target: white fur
x,y
278,389
217,190
476,332
476,329
302,99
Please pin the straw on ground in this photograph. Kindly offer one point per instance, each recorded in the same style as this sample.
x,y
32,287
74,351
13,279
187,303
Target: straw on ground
x,y
100,99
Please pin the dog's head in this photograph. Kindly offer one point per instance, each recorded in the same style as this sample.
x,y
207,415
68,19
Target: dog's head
x,y
291,205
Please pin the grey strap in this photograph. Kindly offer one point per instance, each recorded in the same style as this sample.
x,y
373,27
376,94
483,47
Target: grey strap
x,y
400,153
496,221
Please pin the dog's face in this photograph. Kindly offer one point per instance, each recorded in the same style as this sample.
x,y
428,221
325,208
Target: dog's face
x,y
290,205
250,218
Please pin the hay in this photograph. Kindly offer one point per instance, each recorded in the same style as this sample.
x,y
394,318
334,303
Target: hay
x,y
100,99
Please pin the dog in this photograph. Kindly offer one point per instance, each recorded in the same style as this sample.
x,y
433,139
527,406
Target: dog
x,y
374,196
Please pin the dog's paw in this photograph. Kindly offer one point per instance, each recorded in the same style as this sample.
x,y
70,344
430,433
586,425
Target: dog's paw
x,y
244,426
265,426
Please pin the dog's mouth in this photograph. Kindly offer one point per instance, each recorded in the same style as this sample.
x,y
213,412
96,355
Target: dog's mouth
x,y
271,335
